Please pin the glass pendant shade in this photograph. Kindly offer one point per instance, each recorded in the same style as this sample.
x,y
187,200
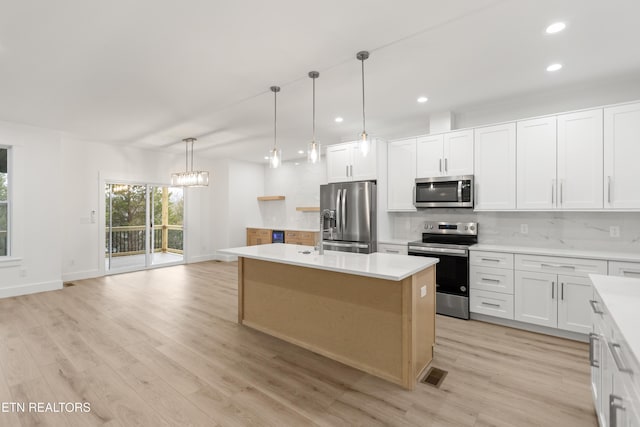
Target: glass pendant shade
x,y
275,158
364,143
275,154
189,178
313,152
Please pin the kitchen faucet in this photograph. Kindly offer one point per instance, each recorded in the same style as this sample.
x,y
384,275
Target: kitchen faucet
x,y
326,213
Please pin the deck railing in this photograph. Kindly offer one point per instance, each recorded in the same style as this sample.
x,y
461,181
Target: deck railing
x,y
130,240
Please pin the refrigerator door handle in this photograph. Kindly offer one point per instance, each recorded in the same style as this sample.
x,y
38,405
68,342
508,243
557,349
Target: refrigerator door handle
x,y
338,212
344,209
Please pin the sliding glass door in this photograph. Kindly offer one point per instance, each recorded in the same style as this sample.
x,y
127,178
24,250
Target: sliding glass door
x,y
144,225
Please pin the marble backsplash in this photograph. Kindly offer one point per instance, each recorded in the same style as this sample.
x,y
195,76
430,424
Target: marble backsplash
x,y
559,230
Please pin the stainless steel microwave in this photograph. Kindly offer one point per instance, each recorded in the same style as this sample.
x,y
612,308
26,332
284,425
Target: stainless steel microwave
x,y
444,192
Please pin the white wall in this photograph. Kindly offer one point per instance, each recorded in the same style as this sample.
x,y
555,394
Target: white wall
x,y
36,200
212,213
299,182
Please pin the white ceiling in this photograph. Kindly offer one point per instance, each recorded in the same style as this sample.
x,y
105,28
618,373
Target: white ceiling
x,y
151,72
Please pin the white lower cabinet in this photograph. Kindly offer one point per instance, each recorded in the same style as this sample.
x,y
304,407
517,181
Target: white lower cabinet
x,y
549,291
491,303
555,300
535,298
491,284
614,383
393,248
625,269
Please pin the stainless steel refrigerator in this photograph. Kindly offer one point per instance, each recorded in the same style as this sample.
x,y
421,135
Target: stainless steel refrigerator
x,y
349,212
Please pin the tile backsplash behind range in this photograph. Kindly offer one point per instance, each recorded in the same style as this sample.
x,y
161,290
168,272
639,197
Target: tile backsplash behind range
x,y
561,230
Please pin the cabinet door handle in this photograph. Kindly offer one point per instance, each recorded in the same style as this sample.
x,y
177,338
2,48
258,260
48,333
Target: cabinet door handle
x,y
553,290
440,165
347,170
446,165
562,291
553,192
609,189
613,409
595,309
351,170
615,351
490,304
592,360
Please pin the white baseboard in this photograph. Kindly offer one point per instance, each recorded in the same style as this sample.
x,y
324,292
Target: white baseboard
x,y
80,275
31,288
531,327
226,258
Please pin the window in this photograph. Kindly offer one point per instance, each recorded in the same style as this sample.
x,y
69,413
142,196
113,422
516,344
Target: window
x,y
4,201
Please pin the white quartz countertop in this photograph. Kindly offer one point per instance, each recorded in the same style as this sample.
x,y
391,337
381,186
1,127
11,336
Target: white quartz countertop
x,y
572,253
378,265
621,296
284,227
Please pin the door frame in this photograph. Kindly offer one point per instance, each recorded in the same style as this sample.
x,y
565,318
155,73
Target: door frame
x,y
102,229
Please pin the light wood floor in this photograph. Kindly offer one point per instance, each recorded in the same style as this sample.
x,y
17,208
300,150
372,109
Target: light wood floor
x,y
162,347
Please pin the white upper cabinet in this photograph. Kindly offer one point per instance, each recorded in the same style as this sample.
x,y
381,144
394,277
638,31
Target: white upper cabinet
x,y
458,153
495,167
338,162
622,157
401,174
430,156
346,162
536,164
445,154
580,145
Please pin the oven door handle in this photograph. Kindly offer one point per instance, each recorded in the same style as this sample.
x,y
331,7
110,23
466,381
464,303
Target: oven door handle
x,y
436,251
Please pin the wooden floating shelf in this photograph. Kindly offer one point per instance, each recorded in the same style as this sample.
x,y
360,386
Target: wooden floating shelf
x,y
270,198
308,208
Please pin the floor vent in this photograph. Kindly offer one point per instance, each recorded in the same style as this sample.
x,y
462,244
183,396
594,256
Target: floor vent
x,y
434,377
67,284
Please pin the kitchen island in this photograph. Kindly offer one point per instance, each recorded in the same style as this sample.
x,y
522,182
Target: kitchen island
x,y
373,312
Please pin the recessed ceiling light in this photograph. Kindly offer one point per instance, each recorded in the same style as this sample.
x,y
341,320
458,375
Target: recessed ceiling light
x,y
339,119
297,164
423,99
554,67
266,157
556,27
300,151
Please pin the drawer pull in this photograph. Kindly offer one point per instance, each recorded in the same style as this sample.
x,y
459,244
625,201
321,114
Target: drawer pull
x,y
613,409
490,259
592,360
392,251
490,304
544,265
615,351
631,273
595,309
486,279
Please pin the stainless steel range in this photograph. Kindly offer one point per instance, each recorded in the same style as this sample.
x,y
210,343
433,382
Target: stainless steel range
x,y
449,242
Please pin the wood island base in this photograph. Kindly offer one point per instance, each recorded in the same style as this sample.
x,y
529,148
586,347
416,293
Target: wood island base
x,y
383,327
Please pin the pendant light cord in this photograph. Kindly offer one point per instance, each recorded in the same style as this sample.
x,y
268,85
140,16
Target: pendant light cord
x,y
314,109
275,118
363,123
192,142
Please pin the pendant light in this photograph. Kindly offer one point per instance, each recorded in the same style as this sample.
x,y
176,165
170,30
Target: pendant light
x,y
313,151
275,155
189,178
364,142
